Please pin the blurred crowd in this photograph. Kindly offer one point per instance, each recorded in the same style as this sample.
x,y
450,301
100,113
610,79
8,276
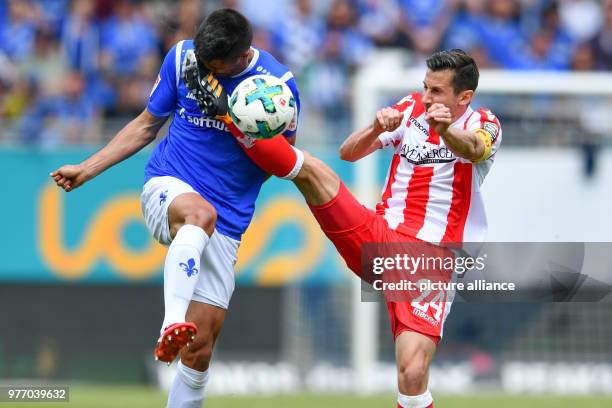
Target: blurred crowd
x,y
67,65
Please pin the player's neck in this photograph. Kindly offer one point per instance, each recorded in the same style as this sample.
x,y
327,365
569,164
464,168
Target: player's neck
x,y
250,56
459,113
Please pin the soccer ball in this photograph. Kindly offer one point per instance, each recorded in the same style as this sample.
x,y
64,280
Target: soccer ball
x,y
262,106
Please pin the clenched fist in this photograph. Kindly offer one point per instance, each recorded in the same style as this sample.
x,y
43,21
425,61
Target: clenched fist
x,y
439,117
70,176
387,119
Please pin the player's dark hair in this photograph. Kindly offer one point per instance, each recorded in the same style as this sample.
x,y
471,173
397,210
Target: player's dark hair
x,y
223,35
464,67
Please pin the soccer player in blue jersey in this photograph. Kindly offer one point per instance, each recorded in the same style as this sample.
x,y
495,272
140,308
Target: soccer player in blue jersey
x,y
200,186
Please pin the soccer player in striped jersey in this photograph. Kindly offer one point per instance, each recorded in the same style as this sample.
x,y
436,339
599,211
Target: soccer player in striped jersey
x,y
443,149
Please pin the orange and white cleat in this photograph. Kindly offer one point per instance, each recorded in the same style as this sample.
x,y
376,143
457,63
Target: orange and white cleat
x,y
173,339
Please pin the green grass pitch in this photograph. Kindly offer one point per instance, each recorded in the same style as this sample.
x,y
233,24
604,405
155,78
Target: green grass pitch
x,y
145,397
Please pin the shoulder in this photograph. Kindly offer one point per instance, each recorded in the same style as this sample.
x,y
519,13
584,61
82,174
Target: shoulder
x,y
485,119
410,103
267,62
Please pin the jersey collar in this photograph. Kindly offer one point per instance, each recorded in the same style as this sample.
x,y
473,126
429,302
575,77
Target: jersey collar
x,y
462,118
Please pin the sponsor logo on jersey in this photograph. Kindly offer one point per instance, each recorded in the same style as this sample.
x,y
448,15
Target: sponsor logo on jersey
x,y
426,154
202,121
419,126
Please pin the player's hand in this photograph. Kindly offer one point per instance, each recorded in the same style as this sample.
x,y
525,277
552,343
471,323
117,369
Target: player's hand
x,y
387,120
439,117
70,176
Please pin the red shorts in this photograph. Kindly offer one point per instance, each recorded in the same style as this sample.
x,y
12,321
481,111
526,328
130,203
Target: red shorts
x,y
349,225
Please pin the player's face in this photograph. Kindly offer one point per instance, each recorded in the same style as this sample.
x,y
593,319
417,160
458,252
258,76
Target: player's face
x,y
230,68
438,88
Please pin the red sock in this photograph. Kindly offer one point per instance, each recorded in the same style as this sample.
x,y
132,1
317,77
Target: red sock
x,y
274,156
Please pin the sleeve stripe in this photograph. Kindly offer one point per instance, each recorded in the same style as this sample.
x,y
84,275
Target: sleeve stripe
x,y
178,52
288,75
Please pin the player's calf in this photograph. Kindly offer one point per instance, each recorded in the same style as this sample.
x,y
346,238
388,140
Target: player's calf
x,y
414,353
316,181
198,355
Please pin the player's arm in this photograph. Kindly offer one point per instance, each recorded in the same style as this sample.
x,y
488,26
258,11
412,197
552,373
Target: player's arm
x,y
133,137
470,145
365,141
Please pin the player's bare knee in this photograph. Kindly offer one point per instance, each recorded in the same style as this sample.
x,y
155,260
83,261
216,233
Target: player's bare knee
x,y
203,215
412,373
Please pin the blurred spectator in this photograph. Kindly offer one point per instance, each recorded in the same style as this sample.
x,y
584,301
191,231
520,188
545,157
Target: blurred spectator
x,y
184,22
379,20
45,65
130,57
299,36
129,41
262,38
67,118
81,37
602,43
18,31
501,35
113,47
582,58
16,91
52,13
581,18
354,47
326,87
424,22
262,13
463,31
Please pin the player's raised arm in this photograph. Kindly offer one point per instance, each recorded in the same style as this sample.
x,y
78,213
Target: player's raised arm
x,y
133,137
365,141
470,145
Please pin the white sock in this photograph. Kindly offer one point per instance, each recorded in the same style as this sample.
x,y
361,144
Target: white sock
x,y
417,401
181,272
188,387
299,161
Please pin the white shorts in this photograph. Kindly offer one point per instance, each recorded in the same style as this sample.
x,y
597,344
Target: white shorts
x,y
216,280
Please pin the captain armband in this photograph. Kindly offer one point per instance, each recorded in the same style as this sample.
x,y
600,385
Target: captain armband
x,y
487,139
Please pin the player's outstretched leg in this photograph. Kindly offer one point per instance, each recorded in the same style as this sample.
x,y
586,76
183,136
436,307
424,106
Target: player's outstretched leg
x,y
413,354
189,385
192,221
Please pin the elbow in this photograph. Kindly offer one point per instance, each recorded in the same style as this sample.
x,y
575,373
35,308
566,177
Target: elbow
x,y
346,155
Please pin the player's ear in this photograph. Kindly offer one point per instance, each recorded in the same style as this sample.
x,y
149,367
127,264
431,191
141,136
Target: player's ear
x,y
465,97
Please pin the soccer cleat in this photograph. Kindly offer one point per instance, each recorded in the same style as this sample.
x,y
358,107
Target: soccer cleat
x,y
205,88
173,339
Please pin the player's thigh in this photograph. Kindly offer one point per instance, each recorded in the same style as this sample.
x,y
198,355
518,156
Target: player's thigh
x,y
158,195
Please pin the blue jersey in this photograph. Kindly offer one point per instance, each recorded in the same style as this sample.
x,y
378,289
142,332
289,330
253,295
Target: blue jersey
x,y
200,150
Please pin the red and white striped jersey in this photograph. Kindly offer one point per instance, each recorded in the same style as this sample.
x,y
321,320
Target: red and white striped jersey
x,y
430,193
